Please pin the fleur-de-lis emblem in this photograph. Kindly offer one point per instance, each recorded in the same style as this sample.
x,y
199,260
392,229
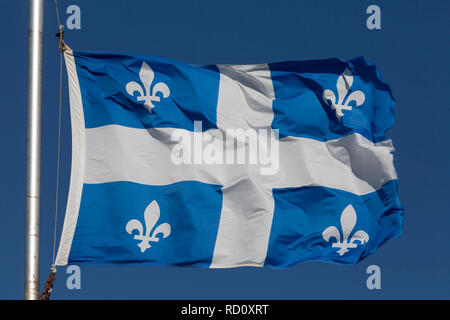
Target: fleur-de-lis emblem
x,y
151,216
348,222
343,84
146,93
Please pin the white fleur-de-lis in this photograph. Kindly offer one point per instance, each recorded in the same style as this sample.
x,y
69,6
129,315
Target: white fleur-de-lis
x,y
146,93
151,216
343,84
348,222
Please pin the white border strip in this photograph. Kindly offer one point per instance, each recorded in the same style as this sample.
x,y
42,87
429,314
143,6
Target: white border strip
x,y
78,161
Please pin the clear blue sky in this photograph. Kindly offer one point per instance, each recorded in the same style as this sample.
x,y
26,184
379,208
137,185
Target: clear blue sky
x,y
411,51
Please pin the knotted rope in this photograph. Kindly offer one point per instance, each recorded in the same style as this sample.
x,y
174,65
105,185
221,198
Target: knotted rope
x,y
45,295
60,35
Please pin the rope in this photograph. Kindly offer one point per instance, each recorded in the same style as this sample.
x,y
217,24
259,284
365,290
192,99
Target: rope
x,y
58,158
45,295
60,34
62,44
57,13
48,287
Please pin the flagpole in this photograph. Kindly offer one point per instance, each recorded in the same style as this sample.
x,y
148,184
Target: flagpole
x,y
35,35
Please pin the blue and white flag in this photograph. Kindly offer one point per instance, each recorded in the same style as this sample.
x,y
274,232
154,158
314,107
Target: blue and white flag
x,y
227,165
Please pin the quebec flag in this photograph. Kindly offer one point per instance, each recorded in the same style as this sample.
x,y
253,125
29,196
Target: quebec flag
x,y
227,165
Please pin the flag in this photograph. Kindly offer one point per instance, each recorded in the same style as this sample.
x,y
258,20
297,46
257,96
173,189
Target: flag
x,y
227,165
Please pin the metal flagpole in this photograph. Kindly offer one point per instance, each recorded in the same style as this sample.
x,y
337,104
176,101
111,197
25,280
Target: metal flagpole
x,y
35,35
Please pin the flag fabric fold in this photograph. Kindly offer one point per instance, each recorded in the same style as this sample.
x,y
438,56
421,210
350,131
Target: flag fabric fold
x,y
227,165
